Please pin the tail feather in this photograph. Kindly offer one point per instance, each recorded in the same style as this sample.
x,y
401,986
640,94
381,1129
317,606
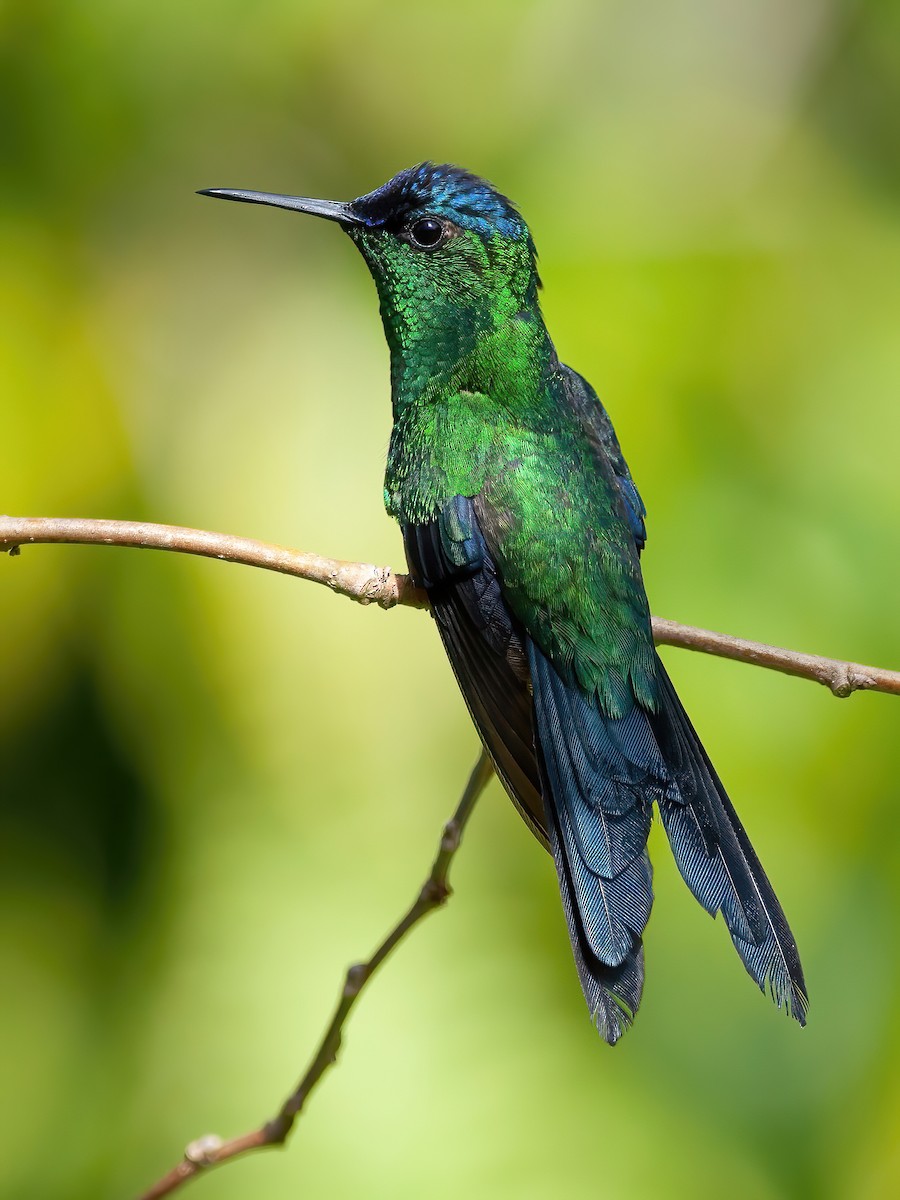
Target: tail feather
x,y
613,994
717,861
599,776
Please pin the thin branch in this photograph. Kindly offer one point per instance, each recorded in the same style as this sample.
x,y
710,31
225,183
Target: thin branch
x,y
843,678
211,1151
368,584
362,582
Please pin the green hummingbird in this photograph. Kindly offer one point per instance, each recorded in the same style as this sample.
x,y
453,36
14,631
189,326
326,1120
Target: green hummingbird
x,y
522,522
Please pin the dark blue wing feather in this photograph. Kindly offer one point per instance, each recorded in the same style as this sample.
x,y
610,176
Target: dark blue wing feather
x,y
602,774
594,420
717,861
613,994
448,557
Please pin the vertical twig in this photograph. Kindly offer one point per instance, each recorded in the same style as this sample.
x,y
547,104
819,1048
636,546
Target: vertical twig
x,y
210,1150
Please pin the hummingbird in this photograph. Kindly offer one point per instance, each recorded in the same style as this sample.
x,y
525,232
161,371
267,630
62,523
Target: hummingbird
x,y
521,520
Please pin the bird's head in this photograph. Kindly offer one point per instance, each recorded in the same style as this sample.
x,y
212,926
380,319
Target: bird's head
x,y
439,229
450,255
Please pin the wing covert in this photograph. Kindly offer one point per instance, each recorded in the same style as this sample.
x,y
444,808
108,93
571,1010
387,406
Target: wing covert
x,y
448,556
597,425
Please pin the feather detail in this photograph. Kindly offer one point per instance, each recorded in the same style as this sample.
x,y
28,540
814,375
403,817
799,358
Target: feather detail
x,y
613,994
718,863
586,405
600,774
484,644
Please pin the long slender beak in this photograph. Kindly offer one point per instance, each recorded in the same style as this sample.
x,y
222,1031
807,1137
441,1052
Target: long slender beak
x,y
331,210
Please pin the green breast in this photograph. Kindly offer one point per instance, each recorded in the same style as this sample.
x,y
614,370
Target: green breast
x,y
550,512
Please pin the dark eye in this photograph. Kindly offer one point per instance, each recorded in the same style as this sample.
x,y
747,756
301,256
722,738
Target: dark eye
x,y
427,232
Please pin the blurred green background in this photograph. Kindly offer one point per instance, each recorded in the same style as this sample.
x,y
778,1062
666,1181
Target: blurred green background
x,y
220,786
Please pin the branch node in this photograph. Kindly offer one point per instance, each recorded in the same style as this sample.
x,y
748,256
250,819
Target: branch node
x,y
434,893
357,975
840,682
843,680
202,1151
275,1132
371,590
450,838
383,589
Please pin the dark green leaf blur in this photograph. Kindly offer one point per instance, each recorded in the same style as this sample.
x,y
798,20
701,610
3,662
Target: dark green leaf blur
x,y
219,786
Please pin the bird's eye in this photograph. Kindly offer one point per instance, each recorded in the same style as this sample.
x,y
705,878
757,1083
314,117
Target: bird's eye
x,y
427,233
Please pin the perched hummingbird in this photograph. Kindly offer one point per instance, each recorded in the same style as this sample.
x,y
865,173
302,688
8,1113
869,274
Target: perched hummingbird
x,y
521,521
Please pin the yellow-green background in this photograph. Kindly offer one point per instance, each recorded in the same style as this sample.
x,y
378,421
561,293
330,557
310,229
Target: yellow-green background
x,y
220,786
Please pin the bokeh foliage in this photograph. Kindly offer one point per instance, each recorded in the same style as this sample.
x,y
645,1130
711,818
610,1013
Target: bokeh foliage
x,y
219,787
